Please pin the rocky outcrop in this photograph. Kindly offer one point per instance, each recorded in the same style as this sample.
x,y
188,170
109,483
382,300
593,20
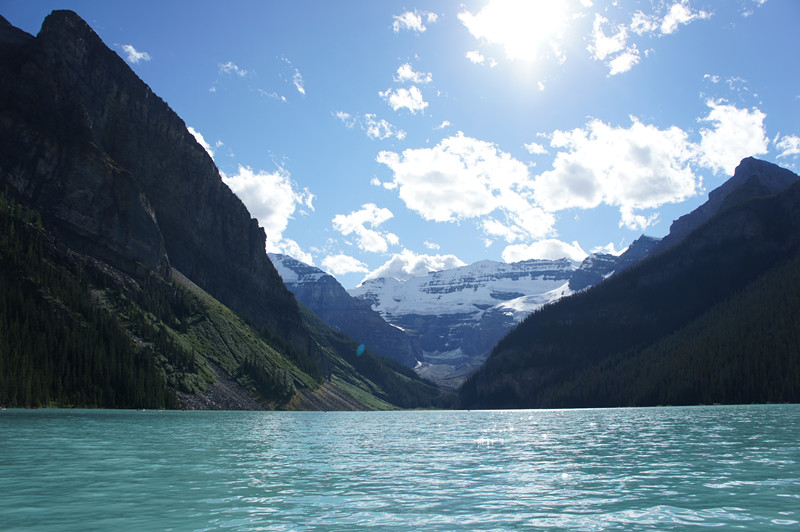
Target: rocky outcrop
x,y
116,174
323,294
752,178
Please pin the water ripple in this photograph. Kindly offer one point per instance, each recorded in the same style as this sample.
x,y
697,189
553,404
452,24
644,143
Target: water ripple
x,y
617,469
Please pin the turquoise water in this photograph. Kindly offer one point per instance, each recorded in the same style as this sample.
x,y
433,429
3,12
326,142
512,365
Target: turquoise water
x,y
614,469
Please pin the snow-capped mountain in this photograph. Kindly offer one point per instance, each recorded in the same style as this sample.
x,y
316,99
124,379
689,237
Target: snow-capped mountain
x,y
458,315
323,294
447,322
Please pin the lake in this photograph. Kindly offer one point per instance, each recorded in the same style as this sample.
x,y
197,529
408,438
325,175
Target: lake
x,y
603,469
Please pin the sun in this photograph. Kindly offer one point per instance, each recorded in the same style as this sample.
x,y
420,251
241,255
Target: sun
x,y
526,29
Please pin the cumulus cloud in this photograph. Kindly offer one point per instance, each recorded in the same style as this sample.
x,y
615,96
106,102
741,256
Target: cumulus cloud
x,y
544,249
410,99
462,178
788,145
133,56
609,42
638,167
478,58
526,30
271,198
413,21
736,134
341,264
534,148
407,264
406,74
289,247
610,249
613,49
680,14
368,238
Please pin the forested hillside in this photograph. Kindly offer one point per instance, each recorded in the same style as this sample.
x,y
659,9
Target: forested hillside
x,y
698,323
76,332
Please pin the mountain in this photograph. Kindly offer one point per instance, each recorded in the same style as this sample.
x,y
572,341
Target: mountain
x,y
323,294
751,178
712,318
458,315
131,238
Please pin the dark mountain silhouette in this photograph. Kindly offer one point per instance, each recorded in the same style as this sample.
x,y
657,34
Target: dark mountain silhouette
x,y
661,332
133,209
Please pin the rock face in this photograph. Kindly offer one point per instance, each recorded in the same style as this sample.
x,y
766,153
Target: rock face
x,y
330,301
116,173
752,178
458,315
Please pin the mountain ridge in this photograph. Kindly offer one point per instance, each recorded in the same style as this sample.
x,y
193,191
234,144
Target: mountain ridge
x,y
132,223
564,355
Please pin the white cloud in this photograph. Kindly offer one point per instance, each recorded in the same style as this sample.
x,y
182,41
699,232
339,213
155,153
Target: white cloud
x,y
463,177
289,247
444,124
346,119
412,20
681,13
374,127
341,264
526,30
610,249
602,45
406,74
134,56
431,245
624,61
202,141
410,98
407,264
631,168
271,198
737,133
297,79
231,68
534,148
641,23
544,249
613,48
789,145
380,129
369,238
475,56
478,58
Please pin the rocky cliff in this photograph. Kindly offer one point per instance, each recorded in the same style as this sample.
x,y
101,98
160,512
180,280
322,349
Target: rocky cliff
x,y
751,178
330,301
116,173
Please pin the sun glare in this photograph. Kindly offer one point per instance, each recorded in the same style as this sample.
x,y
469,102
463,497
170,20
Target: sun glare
x,y
526,29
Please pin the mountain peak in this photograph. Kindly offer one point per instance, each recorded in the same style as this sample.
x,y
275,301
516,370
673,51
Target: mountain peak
x,y
751,178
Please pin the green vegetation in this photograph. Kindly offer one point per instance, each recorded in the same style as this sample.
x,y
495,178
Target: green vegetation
x,y
57,348
713,320
74,333
743,350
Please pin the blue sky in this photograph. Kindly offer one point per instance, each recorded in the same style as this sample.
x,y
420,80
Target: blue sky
x,y
391,138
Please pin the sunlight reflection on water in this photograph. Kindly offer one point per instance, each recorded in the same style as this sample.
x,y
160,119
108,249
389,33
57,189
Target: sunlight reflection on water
x,y
616,469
